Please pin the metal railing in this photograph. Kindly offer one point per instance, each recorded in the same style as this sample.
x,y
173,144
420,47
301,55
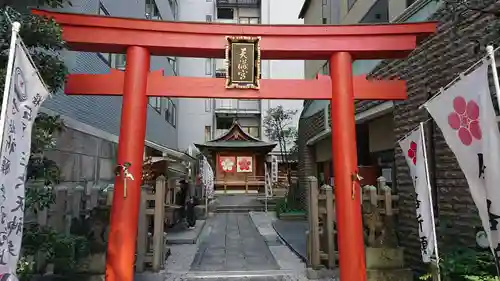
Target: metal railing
x,y
238,3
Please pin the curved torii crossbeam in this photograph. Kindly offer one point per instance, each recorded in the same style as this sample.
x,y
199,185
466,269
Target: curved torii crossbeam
x,y
140,39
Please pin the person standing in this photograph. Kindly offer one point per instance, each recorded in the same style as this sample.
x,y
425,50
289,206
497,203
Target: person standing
x,y
187,202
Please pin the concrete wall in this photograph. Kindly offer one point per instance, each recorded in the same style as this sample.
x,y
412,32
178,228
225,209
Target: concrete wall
x,y
381,133
194,114
314,16
83,157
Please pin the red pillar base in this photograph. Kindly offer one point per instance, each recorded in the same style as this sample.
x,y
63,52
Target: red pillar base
x,y
347,192
120,257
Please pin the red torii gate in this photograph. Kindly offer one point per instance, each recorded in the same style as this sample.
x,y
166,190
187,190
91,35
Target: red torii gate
x,y
140,39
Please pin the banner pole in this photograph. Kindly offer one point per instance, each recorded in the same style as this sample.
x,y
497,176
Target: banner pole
x,y
426,167
16,26
491,53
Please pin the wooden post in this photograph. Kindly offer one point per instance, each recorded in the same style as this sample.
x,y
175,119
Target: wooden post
x,y
76,203
142,233
246,183
56,211
225,184
330,226
159,219
314,222
68,211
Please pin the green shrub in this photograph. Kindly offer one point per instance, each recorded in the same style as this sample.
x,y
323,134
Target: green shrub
x,y
465,264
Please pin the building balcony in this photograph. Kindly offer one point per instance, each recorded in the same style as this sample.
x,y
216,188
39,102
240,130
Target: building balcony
x,y
237,106
238,3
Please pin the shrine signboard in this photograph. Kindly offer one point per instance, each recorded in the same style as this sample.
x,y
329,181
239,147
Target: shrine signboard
x,y
242,62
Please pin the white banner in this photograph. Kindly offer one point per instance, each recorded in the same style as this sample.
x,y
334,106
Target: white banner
x,y
274,168
267,181
465,115
27,92
207,177
413,149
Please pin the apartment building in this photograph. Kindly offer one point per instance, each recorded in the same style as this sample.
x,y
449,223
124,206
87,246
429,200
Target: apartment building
x,y
201,120
86,150
374,126
380,124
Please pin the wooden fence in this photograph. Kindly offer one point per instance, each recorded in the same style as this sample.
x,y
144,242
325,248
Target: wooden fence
x,y
378,211
157,211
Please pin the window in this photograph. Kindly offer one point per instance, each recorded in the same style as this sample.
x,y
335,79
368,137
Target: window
x,y
224,123
208,66
174,115
102,10
409,3
225,13
152,11
325,70
208,105
208,18
325,12
350,4
171,113
208,133
106,57
173,63
119,61
249,20
253,131
220,73
174,6
155,102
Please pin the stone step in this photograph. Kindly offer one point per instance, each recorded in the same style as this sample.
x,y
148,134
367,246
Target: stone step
x,y
240,209
257,275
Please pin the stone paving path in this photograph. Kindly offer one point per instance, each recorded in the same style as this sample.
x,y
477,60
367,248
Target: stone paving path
x,y
236,239
234,244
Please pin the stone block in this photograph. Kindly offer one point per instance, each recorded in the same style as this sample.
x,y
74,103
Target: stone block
x,y
384,258
322,273
292,216
389,275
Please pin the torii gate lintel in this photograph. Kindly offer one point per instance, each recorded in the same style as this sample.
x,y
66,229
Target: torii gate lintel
x,y
201,87
140,39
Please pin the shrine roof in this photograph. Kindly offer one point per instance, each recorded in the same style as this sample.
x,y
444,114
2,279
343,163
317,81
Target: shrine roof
x,y
236,138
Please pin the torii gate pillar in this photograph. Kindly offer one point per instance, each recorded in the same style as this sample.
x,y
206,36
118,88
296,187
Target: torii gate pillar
x,y
345,170
120,257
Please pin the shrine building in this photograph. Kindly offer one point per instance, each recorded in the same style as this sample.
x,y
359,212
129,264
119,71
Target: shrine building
x,y
238,160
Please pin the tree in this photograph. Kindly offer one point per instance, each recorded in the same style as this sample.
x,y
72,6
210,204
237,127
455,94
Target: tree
x,y
294,150
43,40
278,128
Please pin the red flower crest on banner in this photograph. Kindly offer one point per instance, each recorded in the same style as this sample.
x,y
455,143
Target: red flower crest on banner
x,y
465,119
244,164
412,152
